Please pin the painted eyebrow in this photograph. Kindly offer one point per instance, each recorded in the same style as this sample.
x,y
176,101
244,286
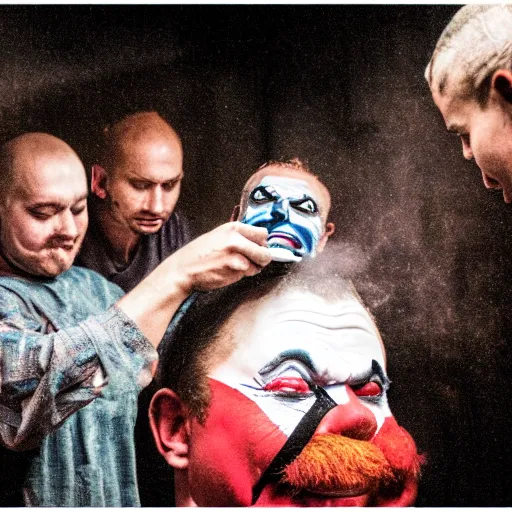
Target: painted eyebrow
x,y
376,369
302,199
267,190
297,354
272,193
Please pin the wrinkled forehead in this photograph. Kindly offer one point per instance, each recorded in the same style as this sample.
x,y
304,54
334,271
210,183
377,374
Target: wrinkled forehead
x,y
340,336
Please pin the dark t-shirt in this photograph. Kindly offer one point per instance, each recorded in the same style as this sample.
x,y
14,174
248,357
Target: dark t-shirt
x,y
152,249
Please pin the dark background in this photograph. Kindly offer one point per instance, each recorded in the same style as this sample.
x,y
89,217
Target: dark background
x,y
342,88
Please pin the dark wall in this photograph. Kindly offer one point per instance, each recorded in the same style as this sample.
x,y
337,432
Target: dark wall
x,y
341,87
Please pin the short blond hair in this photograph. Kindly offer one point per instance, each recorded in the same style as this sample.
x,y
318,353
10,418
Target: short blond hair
x,y
476,43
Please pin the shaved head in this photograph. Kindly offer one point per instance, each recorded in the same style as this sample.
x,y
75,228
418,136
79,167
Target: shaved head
x,y
22,154
138,177
475,44
124,140
43,204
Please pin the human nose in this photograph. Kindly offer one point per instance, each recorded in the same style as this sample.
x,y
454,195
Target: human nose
x,y
66,225
466,149
280,210
156,201
351,419
490,182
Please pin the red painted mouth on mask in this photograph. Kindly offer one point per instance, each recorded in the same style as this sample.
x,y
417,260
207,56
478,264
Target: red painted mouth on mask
x,y
284,240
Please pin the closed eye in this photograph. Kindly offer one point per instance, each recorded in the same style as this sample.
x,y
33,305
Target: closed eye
x,y
370,389
288,385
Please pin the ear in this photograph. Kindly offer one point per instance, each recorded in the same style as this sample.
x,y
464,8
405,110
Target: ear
x,y
99,181
169,423
236,213
329,230
502,83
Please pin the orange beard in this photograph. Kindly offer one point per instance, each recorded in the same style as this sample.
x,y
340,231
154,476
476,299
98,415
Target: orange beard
x,y
334,464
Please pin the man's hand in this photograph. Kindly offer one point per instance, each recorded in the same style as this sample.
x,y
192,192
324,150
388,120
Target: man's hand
x,y
215,259
221,257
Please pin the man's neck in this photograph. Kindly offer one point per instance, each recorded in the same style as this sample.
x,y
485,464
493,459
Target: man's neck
x,y
182,495
122,241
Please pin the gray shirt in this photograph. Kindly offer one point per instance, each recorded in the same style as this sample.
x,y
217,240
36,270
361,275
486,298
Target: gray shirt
x,y
96,253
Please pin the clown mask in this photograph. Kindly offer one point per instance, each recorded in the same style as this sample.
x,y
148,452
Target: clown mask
x,y
288,209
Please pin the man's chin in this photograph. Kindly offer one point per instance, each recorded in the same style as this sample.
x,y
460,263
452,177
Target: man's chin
x,y
274,496
60,261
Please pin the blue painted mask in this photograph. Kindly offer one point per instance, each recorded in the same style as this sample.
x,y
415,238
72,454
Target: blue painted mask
x,y
287,208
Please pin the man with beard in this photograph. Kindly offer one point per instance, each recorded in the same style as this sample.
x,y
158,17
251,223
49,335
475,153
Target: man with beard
x,y
274,394
74,350
136,184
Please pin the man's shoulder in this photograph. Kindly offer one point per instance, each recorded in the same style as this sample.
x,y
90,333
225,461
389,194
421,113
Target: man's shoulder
x,y
79,278
93,279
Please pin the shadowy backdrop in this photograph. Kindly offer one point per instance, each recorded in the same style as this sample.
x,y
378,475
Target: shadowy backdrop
x,y
342,88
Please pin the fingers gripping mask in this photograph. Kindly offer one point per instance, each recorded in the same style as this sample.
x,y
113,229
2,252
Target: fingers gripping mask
x,y
288,209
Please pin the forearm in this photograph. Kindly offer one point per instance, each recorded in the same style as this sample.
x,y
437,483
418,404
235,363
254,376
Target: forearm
x,y
46,378
215,259
153,302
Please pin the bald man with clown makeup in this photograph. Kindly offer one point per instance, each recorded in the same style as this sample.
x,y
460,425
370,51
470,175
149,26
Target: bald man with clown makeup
x,y
274,393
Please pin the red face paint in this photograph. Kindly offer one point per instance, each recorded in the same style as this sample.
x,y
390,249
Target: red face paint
x,y
230,452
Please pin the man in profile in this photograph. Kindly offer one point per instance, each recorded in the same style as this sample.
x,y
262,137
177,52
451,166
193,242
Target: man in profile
x,y
470,77
136,184
274,394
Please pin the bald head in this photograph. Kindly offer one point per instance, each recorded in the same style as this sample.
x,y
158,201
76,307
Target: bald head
x,y
138,178
128,139
26,154
43,204
476,43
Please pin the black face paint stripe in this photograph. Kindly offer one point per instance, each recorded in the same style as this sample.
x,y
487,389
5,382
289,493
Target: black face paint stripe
x,y
298,439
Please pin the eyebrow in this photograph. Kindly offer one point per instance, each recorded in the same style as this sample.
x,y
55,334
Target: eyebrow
x,y
56,204
136,177
270,189
376,369
297,354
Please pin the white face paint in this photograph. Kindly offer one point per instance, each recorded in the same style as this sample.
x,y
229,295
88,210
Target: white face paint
x,y
289,209
288,340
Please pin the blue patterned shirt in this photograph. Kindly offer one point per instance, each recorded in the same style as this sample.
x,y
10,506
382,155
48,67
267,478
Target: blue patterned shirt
x,y
71,368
